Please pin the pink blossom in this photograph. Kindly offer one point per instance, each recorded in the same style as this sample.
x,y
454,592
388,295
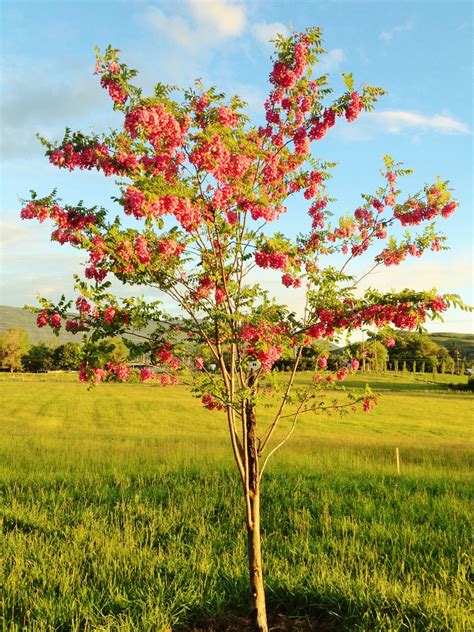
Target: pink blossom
x,y
342,373
199,364
354,108
323,361
120,371
42,319
269,357
141,249
227,117
55,321
109,315
98,375
114,68
147,374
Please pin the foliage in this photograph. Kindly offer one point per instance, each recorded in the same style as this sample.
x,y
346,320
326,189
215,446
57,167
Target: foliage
x,y
13,345
38,358
419,347
67,356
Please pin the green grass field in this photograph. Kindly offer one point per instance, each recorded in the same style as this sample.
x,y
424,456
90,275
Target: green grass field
x,y
120,510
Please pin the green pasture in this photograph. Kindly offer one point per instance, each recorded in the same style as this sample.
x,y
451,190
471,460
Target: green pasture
x,y
120,510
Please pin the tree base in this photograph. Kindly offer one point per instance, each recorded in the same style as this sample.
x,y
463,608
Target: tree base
x,y
277,622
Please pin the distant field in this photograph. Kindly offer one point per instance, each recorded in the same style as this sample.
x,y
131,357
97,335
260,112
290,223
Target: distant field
x,y
121,511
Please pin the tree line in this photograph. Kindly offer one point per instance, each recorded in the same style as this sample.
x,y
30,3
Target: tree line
x,y
16,354
412,352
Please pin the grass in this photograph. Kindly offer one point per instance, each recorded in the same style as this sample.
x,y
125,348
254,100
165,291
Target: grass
x,y
121,511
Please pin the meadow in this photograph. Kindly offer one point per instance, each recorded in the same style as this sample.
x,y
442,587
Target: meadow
x,y
121,510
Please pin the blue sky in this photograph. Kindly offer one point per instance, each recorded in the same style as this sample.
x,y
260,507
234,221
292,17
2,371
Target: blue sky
x,y
420,52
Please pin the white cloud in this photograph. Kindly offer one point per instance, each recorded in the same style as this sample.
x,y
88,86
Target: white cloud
x,y
227,18
174,27
211,21
372,124
61,93
387,36
266,31
454,276
331,61
396,120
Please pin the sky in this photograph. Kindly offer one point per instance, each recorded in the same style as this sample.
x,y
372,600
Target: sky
x,y
420,52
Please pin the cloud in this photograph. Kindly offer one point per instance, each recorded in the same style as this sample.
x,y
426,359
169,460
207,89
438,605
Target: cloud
x,y
228,19
174,27
212,21
448,276
266,31
387,36
331,61
372,124
60,94
395,121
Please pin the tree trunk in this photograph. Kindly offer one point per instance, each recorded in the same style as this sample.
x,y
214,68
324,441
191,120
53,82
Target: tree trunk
x,y
252,498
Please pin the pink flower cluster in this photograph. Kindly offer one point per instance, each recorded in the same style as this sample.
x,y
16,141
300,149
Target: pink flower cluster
x,y
284,77
199,364
165,355
69,223
354,108
227,117
161,128
275,260
414,211
402,316
261,342
260,211
211,403
47,318
188,214
116,92
119,372
321,126
290,281
141,250
169,248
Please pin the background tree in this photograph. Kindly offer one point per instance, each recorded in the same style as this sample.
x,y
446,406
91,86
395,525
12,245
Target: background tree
x,y
375,354
13,345
200,188
418,347
119,352
67,357
39,358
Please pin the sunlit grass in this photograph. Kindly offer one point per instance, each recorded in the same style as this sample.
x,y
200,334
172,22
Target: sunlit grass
x,y
121,510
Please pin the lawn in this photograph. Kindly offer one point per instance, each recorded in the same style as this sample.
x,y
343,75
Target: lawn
x,y
121,510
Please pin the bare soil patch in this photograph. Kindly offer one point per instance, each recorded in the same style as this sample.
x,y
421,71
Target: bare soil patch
x,y
276,622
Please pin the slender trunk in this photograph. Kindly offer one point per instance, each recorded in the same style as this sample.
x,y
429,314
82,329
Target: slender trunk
x,y
252,497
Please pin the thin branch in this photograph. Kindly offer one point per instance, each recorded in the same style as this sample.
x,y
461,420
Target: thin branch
x,y
282,443
265,438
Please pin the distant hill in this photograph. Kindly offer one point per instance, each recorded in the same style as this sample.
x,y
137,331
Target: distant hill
x,y
16,317
464,342
11,317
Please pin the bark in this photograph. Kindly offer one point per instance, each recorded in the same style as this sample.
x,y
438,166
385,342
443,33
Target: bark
x,y
252,492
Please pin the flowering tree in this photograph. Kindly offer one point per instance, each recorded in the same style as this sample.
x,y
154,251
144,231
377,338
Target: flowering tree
x,y
200,189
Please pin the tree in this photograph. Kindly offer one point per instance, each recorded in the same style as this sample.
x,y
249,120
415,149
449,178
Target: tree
x,y
38,359
13,345
67,356
119,351
200,188
374,353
